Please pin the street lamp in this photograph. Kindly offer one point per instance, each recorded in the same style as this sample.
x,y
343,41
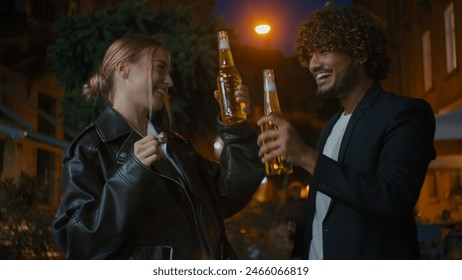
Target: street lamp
x,y
264,31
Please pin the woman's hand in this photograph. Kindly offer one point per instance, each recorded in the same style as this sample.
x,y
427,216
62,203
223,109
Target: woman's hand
x,y
242,96
148,150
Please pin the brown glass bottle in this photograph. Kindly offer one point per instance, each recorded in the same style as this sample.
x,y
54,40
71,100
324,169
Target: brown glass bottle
x,y
277,165
228,79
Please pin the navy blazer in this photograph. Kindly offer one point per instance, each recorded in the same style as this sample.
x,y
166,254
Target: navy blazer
x,y
375,183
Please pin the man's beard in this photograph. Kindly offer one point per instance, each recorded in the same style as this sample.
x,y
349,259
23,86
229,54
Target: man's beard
x,y
344,85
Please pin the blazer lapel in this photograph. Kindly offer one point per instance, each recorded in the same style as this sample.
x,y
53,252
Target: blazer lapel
x,y
358,114
355,118
326,132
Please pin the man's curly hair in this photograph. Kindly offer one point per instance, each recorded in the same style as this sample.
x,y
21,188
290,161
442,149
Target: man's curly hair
x,y
358,34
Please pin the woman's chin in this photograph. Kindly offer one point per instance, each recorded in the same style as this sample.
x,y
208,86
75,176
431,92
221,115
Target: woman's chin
x,y
157,107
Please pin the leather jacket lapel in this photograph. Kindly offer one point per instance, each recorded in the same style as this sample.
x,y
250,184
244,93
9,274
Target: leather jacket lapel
x,y
166,169
183,159
176,150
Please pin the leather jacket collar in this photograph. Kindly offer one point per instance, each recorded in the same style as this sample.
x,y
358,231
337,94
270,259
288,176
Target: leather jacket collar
x,y
110,125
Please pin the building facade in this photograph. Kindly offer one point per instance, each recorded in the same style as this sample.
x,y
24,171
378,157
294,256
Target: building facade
x,y
31,134
32,137
426,50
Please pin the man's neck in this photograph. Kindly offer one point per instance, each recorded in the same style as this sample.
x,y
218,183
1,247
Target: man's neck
x,y
350,101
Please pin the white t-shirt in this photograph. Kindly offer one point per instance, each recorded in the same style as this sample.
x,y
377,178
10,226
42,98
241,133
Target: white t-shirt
x,y
331,150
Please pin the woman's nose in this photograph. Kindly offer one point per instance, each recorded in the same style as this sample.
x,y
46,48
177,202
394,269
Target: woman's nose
x,y
168,80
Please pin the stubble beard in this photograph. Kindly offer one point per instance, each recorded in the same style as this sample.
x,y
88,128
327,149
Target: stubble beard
x,y
343,86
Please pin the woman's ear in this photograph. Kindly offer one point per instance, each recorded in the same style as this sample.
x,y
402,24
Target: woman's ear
x,y
122,69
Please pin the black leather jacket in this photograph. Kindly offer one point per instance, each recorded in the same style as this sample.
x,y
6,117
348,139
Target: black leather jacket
x,y
113,207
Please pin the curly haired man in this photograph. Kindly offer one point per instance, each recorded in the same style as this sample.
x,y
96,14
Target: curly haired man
x,y
371,158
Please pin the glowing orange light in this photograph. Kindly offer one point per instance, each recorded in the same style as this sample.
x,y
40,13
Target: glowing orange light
x,y
262,29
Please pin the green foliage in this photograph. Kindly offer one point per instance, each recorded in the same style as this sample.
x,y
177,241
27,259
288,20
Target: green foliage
x,y
25,230
82,41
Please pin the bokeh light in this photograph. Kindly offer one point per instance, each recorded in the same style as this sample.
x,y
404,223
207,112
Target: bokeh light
x,y
262,29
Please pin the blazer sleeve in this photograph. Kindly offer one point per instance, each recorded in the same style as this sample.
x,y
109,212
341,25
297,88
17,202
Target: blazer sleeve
x,y
389,185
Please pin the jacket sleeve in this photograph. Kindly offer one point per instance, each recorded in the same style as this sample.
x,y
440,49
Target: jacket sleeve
x,y
90,219
389,189
240,171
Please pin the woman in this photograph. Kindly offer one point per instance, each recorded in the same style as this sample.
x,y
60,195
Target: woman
x,y
133,189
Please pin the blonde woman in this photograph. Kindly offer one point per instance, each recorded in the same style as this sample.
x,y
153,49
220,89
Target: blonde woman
x,y
133,189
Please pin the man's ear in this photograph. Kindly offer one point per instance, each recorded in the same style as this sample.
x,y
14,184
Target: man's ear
x,y
122,68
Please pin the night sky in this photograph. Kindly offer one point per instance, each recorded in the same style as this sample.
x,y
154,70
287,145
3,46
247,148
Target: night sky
x,y
283,16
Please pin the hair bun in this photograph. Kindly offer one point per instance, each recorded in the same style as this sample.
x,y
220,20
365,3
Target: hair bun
x,y
97,86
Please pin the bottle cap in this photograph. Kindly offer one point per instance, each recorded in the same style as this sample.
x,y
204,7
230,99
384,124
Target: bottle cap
x,y
223,42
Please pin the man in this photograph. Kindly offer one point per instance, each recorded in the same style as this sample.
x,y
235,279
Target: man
x,y
371,158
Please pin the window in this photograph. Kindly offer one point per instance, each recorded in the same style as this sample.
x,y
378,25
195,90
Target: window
x,y
46,174
427,61
450,38
45,159
46,104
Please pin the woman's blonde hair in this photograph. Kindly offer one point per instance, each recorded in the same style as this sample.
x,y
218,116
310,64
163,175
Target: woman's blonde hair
x,y
128,48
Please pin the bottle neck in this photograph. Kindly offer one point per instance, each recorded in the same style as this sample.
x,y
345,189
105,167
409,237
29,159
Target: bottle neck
x,y
225,57
271,102
270,93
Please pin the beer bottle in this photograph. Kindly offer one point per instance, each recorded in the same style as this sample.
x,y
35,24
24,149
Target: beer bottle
x,y
277,165
228,79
